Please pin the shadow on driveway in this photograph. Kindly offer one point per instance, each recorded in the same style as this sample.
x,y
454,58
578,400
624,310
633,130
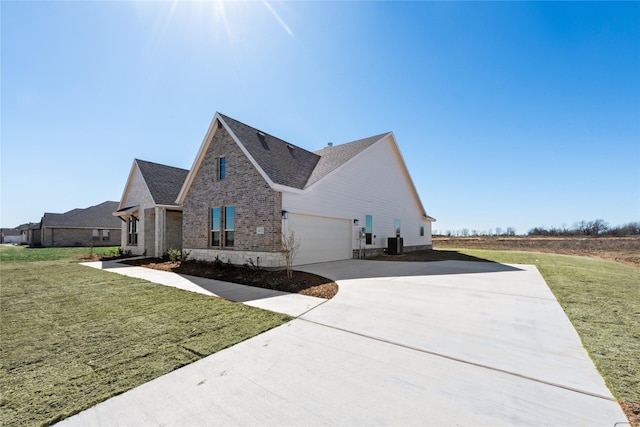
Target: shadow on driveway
x,y
366,269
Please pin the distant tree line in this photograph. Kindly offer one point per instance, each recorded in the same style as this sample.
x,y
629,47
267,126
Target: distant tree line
x,y
465,232
598,227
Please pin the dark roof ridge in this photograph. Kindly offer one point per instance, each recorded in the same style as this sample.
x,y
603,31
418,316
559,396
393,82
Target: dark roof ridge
x,y
159,164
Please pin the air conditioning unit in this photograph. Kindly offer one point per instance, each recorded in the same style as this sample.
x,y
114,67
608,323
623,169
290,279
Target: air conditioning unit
x,y
395,245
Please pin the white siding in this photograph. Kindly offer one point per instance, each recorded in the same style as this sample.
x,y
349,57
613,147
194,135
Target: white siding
x,y
372,183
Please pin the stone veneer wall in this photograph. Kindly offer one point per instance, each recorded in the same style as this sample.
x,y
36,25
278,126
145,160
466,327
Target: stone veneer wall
x,y
257,206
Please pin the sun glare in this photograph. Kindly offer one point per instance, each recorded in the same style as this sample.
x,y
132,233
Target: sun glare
x,y
219,18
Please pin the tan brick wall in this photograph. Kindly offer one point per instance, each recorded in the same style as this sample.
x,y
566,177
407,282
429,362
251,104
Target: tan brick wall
x,y
148,225
173,237
256,204
77,237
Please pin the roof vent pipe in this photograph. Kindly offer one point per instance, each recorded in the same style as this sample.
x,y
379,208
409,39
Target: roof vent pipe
x,y
330,144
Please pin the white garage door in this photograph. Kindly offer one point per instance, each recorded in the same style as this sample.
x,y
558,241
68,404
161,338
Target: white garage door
x,y
321,238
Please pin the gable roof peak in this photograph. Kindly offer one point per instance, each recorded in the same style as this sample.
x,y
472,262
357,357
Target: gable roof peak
x,y
164,182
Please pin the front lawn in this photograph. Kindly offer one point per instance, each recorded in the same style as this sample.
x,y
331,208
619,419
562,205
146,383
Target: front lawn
x,y
73,336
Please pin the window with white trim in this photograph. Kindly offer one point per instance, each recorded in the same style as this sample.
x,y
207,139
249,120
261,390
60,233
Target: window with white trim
x,y
368,229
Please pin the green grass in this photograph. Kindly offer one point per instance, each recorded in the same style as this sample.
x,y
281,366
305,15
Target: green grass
x,y
73,336
602,300
26,254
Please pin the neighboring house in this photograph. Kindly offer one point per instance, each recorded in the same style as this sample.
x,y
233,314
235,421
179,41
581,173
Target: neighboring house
x,y
246,187
30,234
93,226
10,235
151,219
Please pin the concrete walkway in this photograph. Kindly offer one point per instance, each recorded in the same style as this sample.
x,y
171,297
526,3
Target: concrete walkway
x,y
448,343
279,302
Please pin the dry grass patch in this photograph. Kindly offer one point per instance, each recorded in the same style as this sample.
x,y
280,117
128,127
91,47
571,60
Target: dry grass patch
x,y
620,249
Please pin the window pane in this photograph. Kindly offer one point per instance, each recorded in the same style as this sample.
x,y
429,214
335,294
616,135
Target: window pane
x,y
421,230
368,228
229,218
221,168
96,233
229,237
215,219
215,238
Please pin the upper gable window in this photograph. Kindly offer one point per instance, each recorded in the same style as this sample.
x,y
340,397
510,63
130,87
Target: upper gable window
x,y
221,168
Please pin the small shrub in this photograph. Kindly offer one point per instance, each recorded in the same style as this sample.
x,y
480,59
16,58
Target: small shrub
x,y
176,255
218,262
250,265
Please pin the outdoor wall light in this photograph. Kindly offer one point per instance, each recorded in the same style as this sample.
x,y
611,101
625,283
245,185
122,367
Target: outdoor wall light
x,y
356,221
285,215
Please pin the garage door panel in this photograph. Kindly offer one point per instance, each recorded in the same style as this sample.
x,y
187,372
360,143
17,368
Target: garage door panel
x,y
321,239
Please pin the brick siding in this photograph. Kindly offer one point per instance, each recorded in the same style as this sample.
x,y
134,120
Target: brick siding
x,y
256,203
77,237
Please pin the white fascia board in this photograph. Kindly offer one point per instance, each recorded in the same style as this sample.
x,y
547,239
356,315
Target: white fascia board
x,y
407,175
286,189
203,150
249,156
127,186
170,207
208,137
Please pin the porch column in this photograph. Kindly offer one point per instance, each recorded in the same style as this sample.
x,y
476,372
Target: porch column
x,y
161,214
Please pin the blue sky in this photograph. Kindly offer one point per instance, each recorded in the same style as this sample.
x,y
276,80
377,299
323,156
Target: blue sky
x,y
508,114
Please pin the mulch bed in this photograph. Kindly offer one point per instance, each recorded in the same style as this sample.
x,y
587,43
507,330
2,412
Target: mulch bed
x,y
301,282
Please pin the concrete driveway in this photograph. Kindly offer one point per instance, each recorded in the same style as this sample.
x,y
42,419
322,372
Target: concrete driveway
x,y
444,343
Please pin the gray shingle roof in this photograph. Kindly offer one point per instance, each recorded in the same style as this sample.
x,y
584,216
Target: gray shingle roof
x,y
98,216
335,156
164,182
290,165
284,163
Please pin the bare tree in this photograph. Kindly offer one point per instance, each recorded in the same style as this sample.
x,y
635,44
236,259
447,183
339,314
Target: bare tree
x,y
290,246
